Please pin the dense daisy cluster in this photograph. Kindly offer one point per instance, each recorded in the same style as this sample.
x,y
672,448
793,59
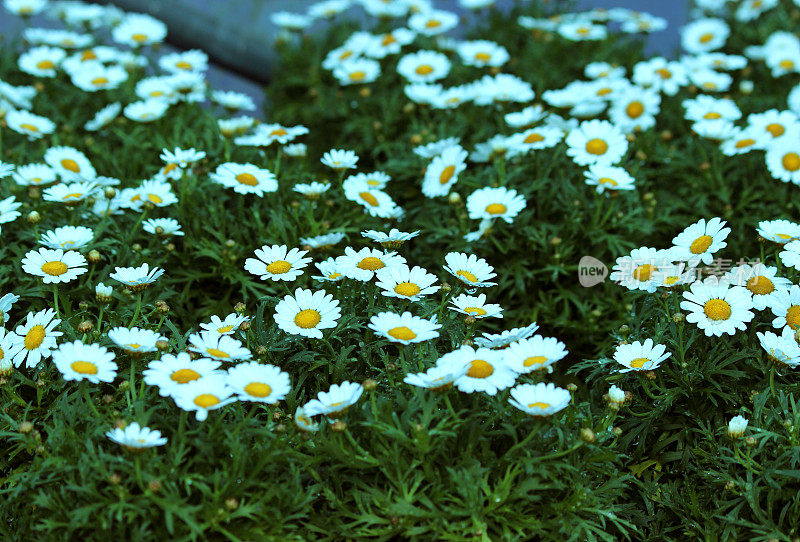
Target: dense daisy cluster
x,y
366,313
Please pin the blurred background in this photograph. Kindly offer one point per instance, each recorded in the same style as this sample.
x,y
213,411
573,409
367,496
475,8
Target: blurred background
x,y
238,34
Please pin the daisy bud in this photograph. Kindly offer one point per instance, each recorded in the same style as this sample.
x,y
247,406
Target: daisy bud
x,y
678,317
108,399
730,485
25,427
624,329
261,350
737,426
666,135
572,387
280,428
40,383
162,306
408,108
369,384
469,320
391,366
617,431
454,198
365,92
114,479
277,415
750,441
587,435
746,87
704,166
169,247
467,342
33,217
109,192
231,503
240,307
339,426
416,139
230,243
154,486
159,230
616,396
83,305
6,367
93,256
244,326
162,345
103,292
446,288
85,326
124,385
555,241
136,247
641,155
40,449
787,424
650,375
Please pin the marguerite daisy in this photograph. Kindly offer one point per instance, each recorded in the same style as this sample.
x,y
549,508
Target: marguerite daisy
x,y
136,437
640,356
405,283
253,381
54,265
717,307
307,313
78,361
539,399
277,262
404,328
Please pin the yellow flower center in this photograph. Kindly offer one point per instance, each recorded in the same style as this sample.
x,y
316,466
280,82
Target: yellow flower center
x,y
775,129
205,400
605,91
307,318
182,376
183,65
408,289
357,75
97,81
432,23
133,346
705,38
334,275
480,369
607,180
786,64
388,39
70,165
664,73
424,69
475,310
634,110
712,115
369,198
224,329
29,127
279,267
35,337
214,352
139,38
534,360
791,161
539,404
744,143
258,389
84,367
701,244
466,275
760,285
447,174
246,178
55,268
638,363
793,316
154,198
717,309
643,272
533,137
402,333
596,146
46,65
483,57
371,263
496,208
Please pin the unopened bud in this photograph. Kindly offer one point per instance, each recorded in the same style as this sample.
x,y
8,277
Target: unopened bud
x,y
25,427
240,307
162,345
369,384
339,426
154,486
33,217
587,435
572,387
85,326
231,503
93,256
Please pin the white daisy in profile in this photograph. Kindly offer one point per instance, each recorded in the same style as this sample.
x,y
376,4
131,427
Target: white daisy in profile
x,y
137,30
507,337
405,283
357,71
227,326
431,22
375,202
67,237
773,123
537,352
435,148
423,66
704,35
779,231
148,110
6,302
245,178
35,339
441,376
296,150
335,402
157,192
25,8
203,395
790,255
442,173
700,241
475,306
782,349
233,101
304,422
211,344
312,190
307,313
137,278
639,269
8,210
163,227
173,371
34,175
324,241
135,340
78,361
374,179
610,178
488,371
640,356
329,271
596,141
539,399
339,159
70,164
193,60
136,437
253,381
482,53
760,280
30,125
785,305
741,142
783,160
363,264
54,266
716,307
41,61
70,193
471,270
277,262
103,117
394,239
404,328
534,139
182,158
491,203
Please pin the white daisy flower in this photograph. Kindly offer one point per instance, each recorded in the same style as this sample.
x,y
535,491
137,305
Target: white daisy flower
x,y
35,339
539,399
363,264
717,307
203,395
70,164
472,271
277,262
329,271
227,326
324,241
783,348
6,302
8,210
609,178
700,241
137,30
488,371
783,159
507,337
785,305
70,194
423,66
164,227
394,239
54,266
137,278
135,340
537,352
306,313
253,381
171,372
640,356
339,159
482,53
760,280
493,203
357,71
475,306
28,124
442,173
148,110
136,437
34,175
67,237
779,231
78,361
304,422
405,283
442,376
737,426
596,141
103,117
704,35
640,269
245,178
335,402
790,256
404,328
212,345
233,101
534,139
312,190
432,22
375,202
436,148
